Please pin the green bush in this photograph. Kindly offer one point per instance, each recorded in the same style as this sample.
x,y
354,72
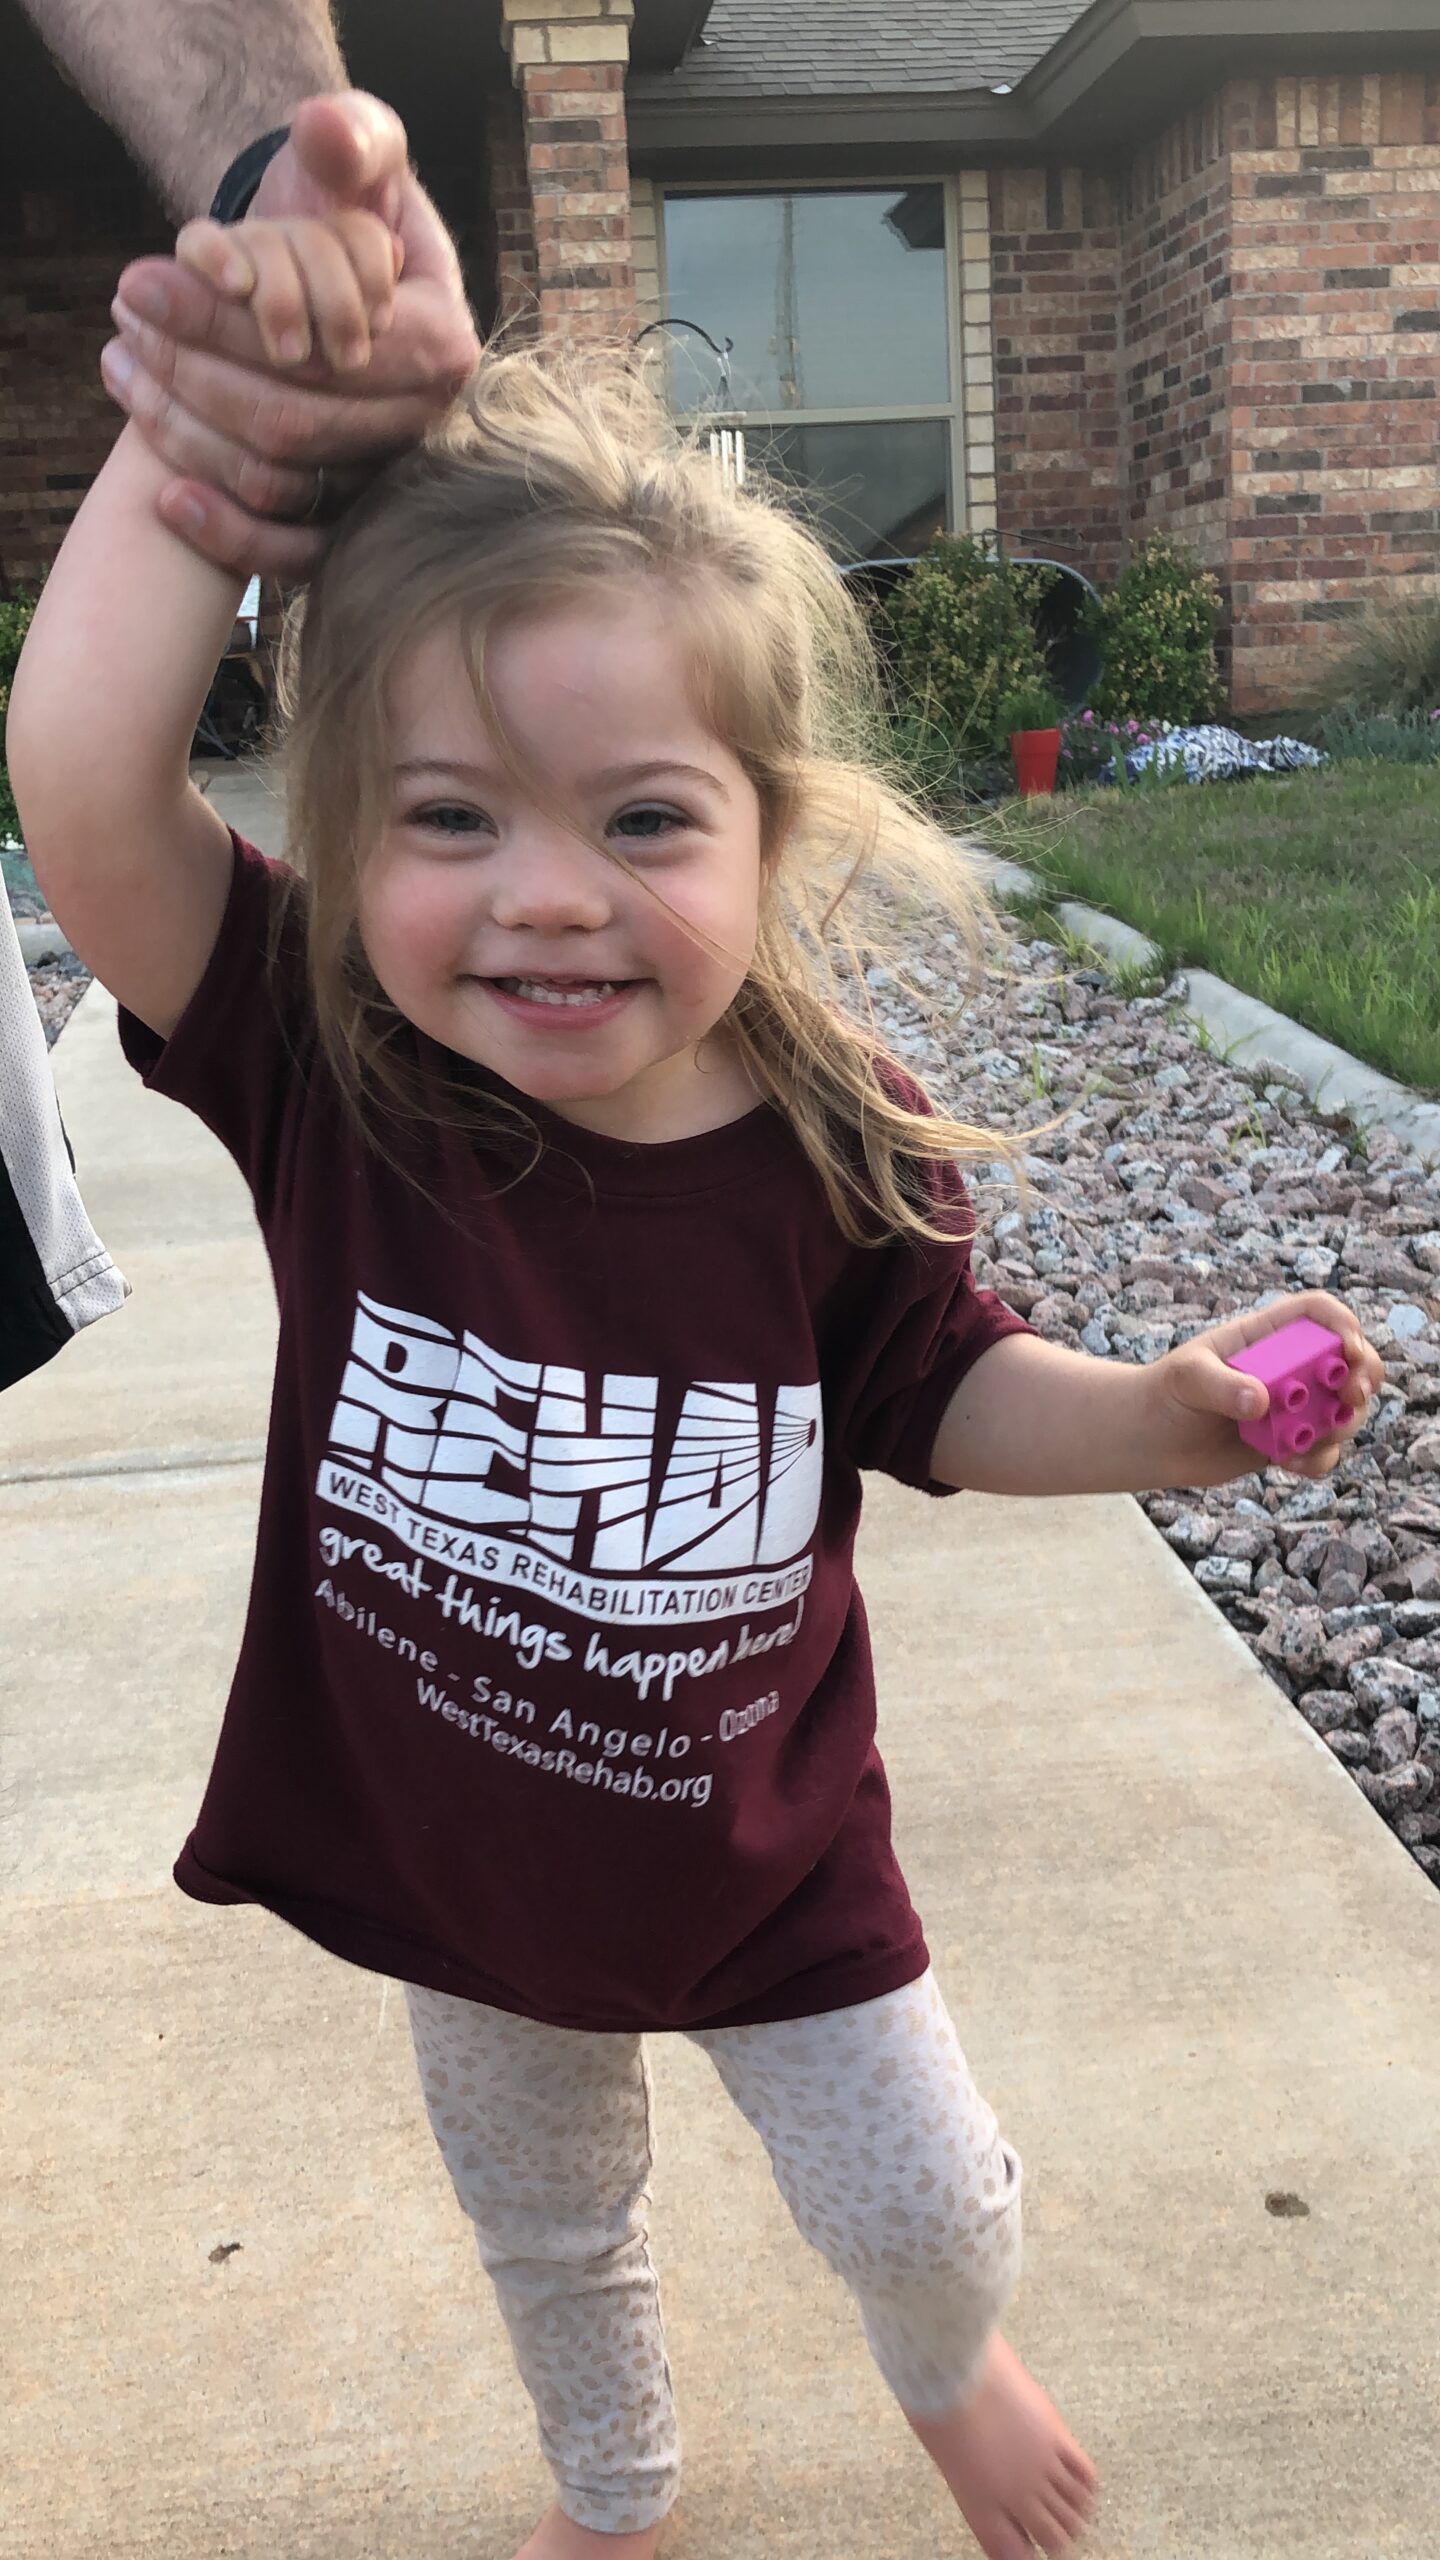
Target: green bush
x,y
15,613
924,755
1155,629
1358,737
1390,664
962,636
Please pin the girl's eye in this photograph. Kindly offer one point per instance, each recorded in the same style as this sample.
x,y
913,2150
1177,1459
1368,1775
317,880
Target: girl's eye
x,y
440,816
650,826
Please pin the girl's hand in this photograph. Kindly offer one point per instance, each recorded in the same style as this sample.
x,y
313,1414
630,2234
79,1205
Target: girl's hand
x,y
306,277
1204,1399
241,438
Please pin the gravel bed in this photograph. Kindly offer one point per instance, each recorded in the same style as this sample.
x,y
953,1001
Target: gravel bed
x,y
1179,1190
57,986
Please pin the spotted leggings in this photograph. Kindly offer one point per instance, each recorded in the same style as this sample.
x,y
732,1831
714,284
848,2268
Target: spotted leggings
x,y
888,2157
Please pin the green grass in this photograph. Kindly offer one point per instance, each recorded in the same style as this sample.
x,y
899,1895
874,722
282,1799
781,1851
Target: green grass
x,y
1317,892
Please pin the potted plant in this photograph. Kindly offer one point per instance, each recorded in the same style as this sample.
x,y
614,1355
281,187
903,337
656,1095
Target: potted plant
x,y
1031,719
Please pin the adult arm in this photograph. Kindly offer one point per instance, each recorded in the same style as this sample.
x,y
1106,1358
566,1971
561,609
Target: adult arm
x,y
187,83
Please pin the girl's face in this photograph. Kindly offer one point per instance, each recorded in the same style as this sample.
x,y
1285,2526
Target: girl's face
x,y
505,935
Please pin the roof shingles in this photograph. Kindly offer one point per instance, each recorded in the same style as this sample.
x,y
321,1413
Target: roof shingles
x,y
836,48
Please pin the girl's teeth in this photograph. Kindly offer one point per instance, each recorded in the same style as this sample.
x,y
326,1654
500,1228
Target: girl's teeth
x,y
533,993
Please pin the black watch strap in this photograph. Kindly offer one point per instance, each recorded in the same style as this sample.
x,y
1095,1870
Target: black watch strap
x,y
236,190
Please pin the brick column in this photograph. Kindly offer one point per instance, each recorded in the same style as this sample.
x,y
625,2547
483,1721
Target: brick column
x,y
1055,295
512,215
569,59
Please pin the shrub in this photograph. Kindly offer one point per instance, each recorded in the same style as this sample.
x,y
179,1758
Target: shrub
x,y
1391,662
1155,629
924,754
962,637
15,613
1357,737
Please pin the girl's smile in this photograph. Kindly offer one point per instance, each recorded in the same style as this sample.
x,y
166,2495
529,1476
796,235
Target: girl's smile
x,y
496,923
562,1004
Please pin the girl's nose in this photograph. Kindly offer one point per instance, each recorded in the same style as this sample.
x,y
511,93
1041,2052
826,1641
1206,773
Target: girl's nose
x,y
550,883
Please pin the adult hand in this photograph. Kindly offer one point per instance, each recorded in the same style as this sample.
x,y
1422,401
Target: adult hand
x,y
245,435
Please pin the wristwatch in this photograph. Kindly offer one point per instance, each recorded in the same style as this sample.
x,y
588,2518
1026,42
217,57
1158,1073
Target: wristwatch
x,y
236,190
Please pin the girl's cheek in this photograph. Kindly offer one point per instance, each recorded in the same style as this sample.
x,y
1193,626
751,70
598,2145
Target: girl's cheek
x,y
413,915
694,973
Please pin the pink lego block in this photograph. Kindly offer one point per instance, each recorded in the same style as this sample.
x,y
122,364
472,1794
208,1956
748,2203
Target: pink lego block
x,y
1305,1368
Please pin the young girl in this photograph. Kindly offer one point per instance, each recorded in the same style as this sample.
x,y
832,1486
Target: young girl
x,y
609,1252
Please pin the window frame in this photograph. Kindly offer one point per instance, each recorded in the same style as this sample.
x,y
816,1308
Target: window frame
x,y
951,411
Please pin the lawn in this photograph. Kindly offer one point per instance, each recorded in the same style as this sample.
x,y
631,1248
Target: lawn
x,y
1319,892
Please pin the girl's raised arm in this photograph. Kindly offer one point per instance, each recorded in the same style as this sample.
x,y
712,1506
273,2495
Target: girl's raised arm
x,y
118,660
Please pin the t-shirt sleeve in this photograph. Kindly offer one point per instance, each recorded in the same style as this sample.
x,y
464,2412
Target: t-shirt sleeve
x,y
239,1056
924,1325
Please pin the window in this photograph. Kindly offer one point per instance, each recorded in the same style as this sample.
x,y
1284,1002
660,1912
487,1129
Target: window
x,y
842,374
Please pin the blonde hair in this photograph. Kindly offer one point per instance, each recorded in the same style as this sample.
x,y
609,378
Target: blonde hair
x,y
561,470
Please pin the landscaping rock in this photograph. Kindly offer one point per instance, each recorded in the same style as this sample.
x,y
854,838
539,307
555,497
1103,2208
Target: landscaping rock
x,y
1328,1710
1171,1200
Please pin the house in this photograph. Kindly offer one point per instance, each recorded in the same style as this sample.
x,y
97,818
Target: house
x,y
1064,276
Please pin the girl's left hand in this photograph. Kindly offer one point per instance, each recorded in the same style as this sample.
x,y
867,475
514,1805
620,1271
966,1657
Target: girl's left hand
x,y
1205,1399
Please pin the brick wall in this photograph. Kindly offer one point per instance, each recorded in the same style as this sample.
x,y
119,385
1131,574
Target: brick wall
x,y
1242,352
60,261
569,59
645,234
977,353
1175,335
1055,295
512,216
1336,338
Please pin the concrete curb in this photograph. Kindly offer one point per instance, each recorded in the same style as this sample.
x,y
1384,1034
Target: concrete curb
x,y
1251,1033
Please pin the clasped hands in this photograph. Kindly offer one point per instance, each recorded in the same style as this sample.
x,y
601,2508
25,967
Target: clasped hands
x,y
330,331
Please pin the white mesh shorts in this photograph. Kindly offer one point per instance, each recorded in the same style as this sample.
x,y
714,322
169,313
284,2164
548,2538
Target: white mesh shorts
x,y
55,1274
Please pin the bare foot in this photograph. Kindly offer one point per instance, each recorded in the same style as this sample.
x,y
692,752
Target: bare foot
x,y
1014,2470
556,2538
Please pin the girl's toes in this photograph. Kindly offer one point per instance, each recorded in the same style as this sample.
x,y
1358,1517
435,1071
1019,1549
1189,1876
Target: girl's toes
x,y
1010,2541
1051,2531
1080,2466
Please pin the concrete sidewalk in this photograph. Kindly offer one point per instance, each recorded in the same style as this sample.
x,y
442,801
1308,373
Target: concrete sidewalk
x,y
1191,1968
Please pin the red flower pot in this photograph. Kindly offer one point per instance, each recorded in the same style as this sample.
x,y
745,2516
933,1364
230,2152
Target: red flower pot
x,y
1035,754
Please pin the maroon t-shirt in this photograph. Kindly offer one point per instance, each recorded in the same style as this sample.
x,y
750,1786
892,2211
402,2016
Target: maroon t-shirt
x,y
555,1688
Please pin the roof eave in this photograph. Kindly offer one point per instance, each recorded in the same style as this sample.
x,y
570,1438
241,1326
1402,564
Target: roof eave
x,y
1125,68
758,135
